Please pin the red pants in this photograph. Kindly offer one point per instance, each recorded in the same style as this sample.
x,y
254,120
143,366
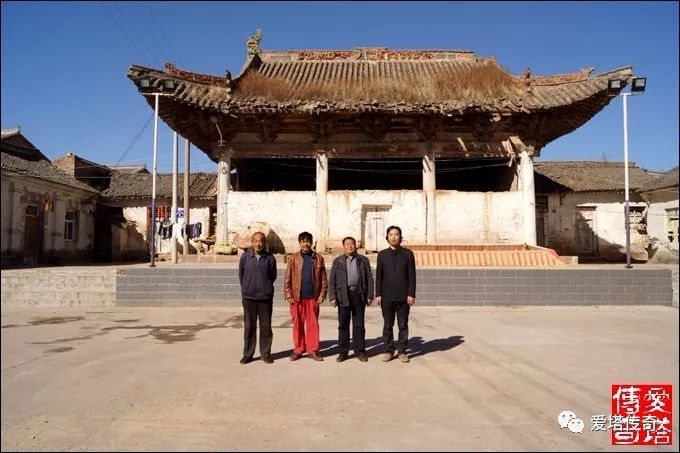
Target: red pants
x,y
305,326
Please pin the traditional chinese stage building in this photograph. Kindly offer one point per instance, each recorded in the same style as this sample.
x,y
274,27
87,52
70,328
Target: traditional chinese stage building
x,y
338,143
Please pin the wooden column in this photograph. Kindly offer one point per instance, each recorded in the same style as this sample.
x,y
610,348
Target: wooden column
x,y
223,168
429,187
321,201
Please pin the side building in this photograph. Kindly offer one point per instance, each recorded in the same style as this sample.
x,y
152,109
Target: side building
x,y
47,215
580,209
661,194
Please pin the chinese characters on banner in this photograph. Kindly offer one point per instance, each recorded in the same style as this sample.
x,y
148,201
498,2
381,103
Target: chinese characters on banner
x,y
642,414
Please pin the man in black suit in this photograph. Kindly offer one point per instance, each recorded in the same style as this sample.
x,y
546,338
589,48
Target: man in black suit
x,y
395,291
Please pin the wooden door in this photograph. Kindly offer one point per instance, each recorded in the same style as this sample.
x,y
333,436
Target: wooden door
x,y
541,219
374,224
31,229
585,231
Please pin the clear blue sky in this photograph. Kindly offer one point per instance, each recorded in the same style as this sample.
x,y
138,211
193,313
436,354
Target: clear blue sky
x,y
64,65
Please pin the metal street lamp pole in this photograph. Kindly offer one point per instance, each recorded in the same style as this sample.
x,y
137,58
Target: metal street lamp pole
x,y
145,85
625,159
637,86
153,184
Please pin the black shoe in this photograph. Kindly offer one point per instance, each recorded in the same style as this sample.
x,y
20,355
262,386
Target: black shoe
x,y
245,360
267,359
341,357
362,357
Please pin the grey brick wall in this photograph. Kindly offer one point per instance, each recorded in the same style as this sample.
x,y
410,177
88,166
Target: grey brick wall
x,y
444,287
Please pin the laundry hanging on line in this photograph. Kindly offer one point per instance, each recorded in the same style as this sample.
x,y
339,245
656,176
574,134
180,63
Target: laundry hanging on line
x,y
193,230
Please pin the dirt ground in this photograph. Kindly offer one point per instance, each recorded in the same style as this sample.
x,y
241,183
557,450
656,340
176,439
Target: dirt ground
x,y
479,379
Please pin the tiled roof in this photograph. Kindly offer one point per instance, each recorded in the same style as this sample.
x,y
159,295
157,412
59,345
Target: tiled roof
x,y
664,181
139,185
14,142
41,169
329,95
593,176
129,168
10,132
315,84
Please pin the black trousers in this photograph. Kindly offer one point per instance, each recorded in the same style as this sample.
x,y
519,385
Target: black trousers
x,y
252,310
401,309
355,311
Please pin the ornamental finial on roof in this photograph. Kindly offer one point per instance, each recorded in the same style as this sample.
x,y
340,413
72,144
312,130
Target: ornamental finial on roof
x,y
526,76
254,44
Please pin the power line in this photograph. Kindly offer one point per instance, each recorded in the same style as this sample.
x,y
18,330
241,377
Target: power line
x,y
153,37
134,31
59,101
112,16
135,139
163,35
113,123
331,167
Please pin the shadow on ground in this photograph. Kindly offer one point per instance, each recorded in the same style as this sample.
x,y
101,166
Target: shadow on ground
x,y
374,347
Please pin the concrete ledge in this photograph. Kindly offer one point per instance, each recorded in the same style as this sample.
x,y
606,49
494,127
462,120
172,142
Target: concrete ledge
x,y
436,287
207,285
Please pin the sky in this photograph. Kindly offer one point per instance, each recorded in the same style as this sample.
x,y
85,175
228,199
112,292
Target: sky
x,y
64,64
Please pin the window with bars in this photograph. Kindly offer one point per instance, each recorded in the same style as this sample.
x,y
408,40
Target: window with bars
x,y
71,226
638,221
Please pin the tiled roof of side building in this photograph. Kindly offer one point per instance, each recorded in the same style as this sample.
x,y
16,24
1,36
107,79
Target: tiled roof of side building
x,y
593,176
667,180
41,169
128,168
10,132
139,185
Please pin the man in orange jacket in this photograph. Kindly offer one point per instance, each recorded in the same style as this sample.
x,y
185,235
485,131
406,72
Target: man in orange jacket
x,y
305,288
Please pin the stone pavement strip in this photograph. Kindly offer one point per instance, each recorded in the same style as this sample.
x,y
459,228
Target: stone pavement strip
x,y
479,379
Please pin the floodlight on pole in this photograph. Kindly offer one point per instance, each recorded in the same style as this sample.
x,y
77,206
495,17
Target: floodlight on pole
x,y
147,89
637,86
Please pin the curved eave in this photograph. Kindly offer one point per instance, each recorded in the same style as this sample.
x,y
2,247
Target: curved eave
x,y
575,103
200,94
210,96
568,93
560,108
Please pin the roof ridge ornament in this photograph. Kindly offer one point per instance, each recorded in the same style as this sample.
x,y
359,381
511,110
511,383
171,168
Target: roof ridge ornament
x,y
253,44
174,71
529,80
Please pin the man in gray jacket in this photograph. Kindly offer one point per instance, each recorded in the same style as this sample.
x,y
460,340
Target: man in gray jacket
x,y
350,288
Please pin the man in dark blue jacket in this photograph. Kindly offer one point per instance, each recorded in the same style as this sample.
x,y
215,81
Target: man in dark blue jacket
x,y
395,291
257,273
